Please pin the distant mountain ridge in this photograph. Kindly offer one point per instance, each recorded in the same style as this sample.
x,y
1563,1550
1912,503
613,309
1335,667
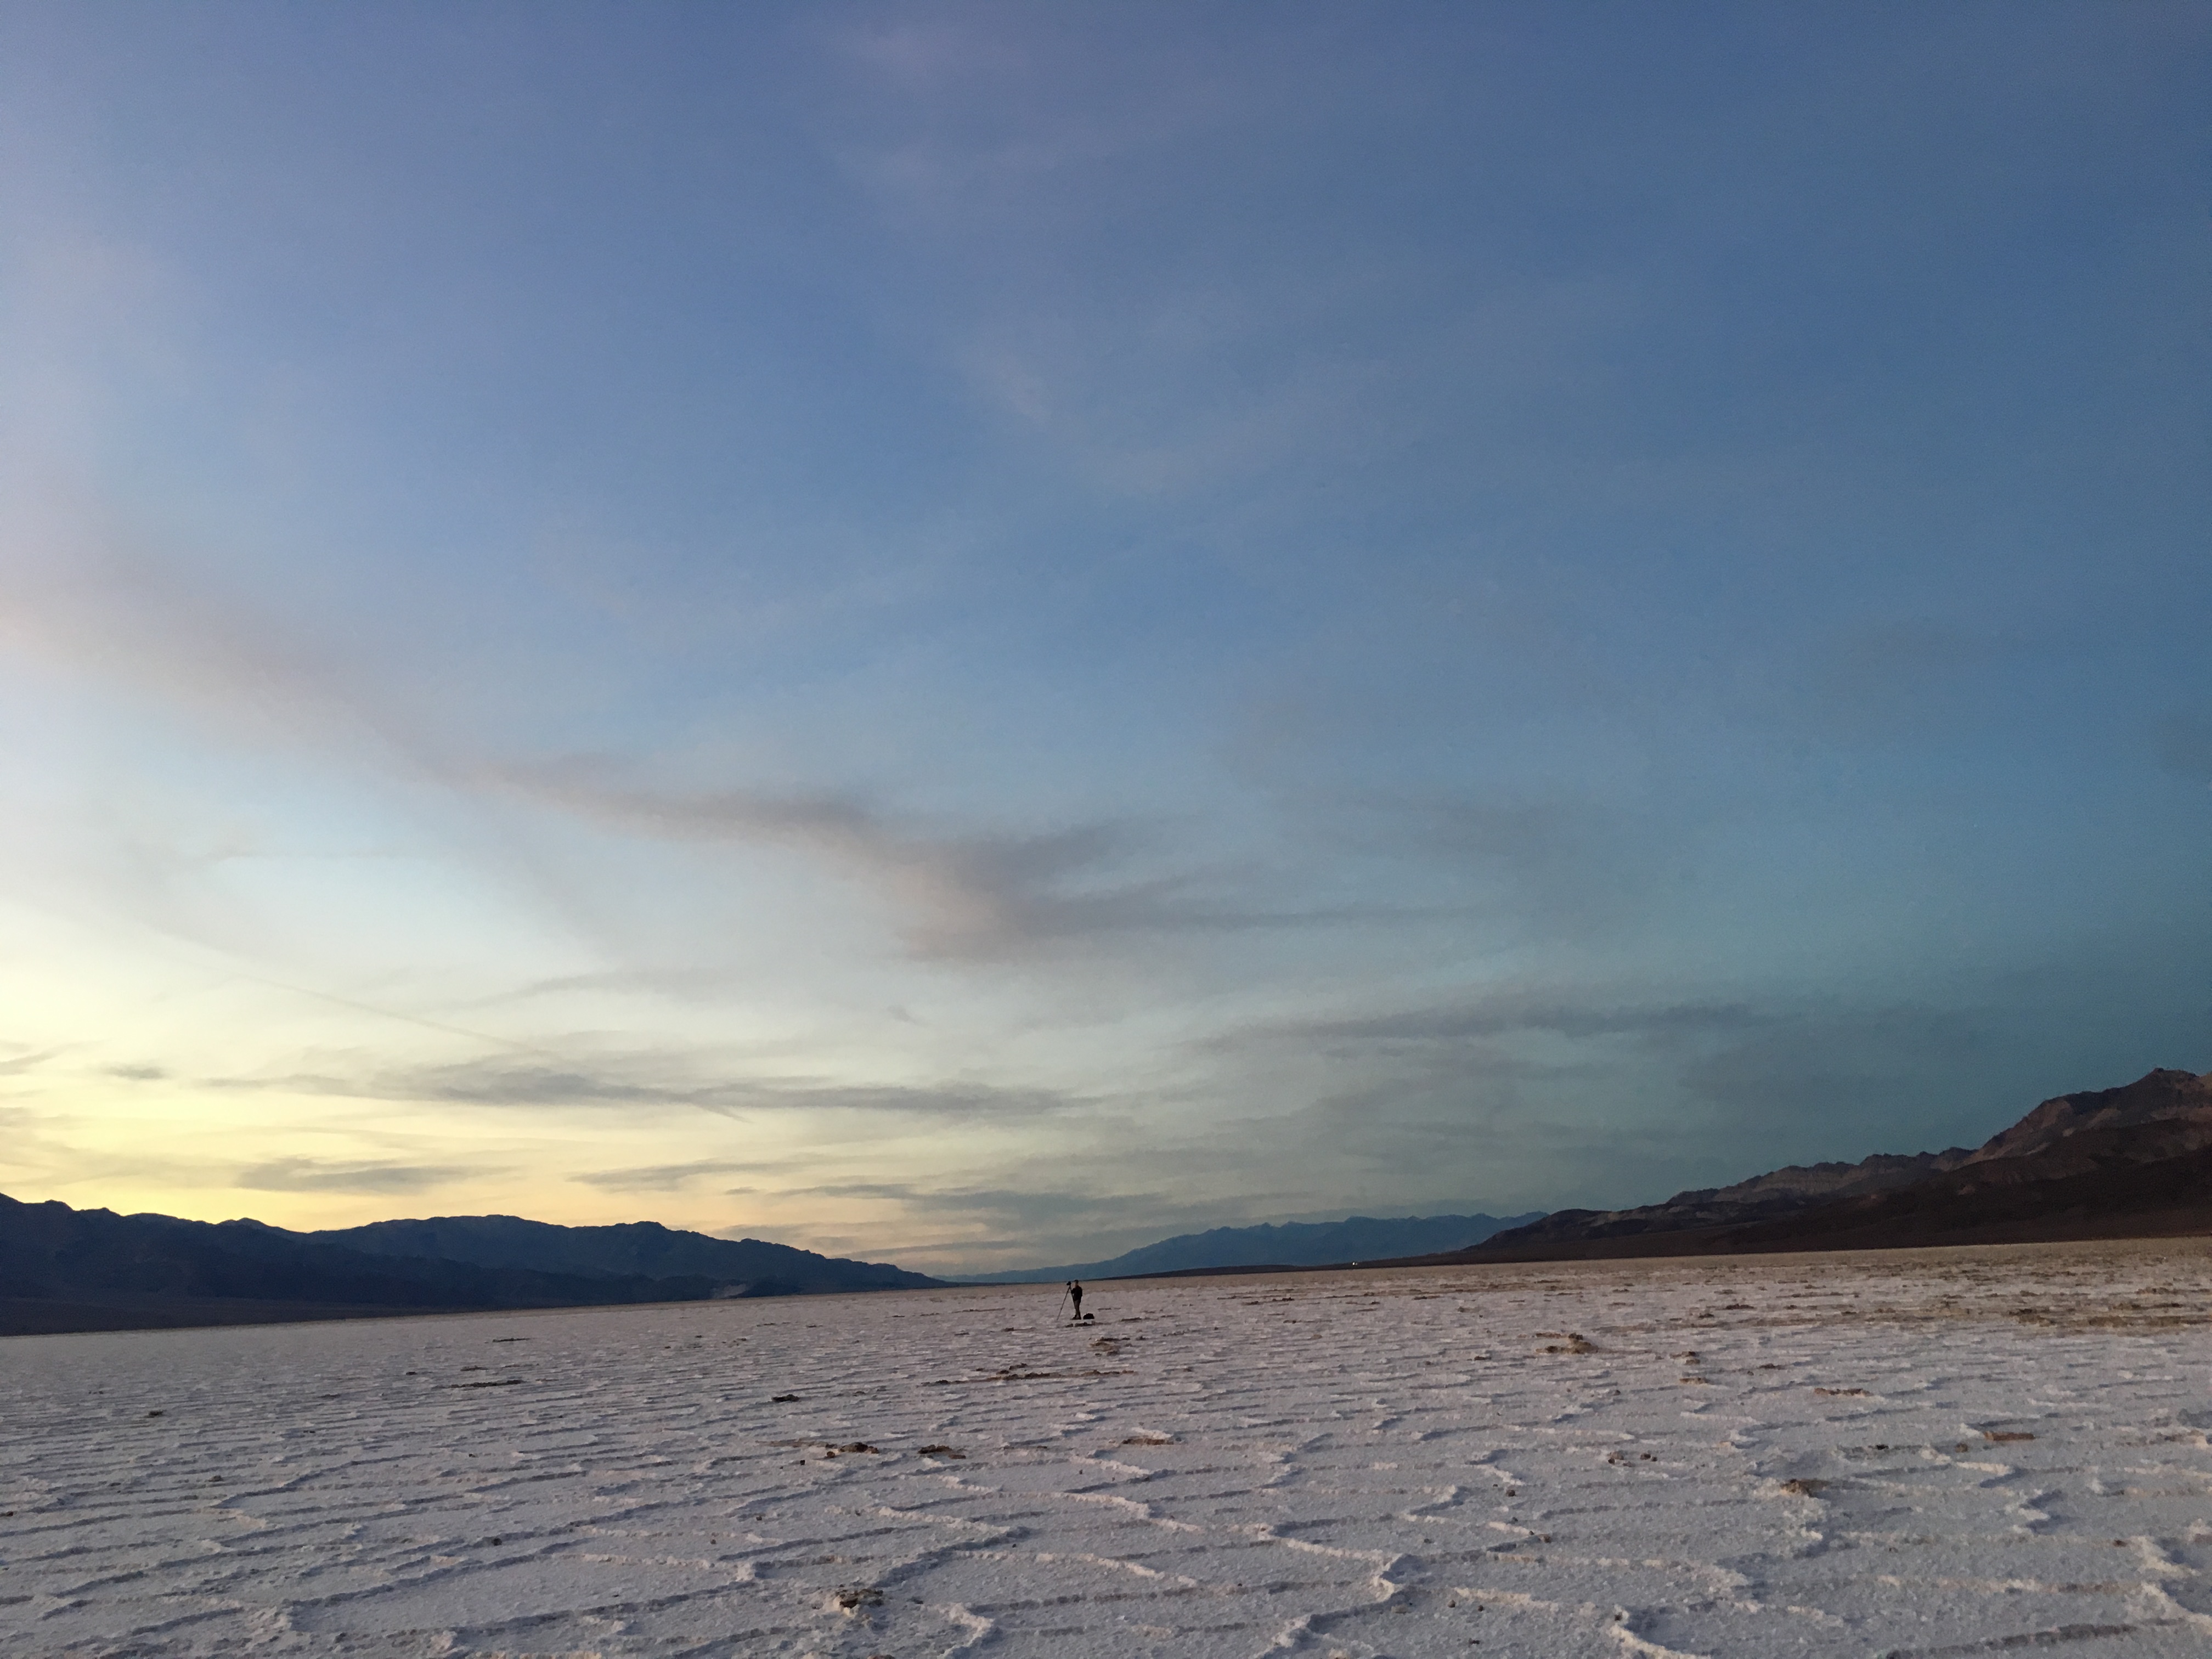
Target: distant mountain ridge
x,y
747,1267
1779,1192
2131,1161
1284,1243
63,1269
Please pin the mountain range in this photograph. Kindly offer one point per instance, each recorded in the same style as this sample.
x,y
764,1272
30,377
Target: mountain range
x,y
2131,1162
63,1269
1288,1244
644,1249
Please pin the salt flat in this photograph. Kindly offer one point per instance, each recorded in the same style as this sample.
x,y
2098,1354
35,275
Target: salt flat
x,y
1927,1453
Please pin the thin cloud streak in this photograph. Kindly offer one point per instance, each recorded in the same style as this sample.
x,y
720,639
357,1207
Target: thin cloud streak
x,y
971,896
653,1081
311,1175
666,1177
1553,1014
961,896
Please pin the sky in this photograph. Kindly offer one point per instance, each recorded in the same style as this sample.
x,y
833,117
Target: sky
x,y
972,634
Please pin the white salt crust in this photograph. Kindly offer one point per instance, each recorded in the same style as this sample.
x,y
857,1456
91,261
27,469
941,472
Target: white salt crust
x,y
1756,1457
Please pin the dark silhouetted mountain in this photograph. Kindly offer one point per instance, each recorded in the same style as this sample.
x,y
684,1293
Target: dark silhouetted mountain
x,y
642,1249
1778,1193
1288,1243
93,1269
65,1269
2131,1162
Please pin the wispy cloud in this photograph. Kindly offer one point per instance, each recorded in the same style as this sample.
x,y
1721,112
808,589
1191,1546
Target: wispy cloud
x,y
313,1175
125,619
661,1178
122,618
20,1065
1028,1204
654,1080
80,598
1503,1014
962,894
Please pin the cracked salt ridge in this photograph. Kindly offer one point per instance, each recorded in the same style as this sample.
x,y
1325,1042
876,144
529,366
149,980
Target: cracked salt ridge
x,y
1357,1465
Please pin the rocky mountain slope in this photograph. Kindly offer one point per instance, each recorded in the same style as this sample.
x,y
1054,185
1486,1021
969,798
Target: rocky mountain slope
x,y
2133,1161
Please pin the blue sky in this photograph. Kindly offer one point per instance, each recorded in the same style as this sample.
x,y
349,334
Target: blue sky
x,y
974,633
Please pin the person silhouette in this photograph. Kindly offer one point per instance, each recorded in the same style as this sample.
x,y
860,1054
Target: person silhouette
x,y
1075,1293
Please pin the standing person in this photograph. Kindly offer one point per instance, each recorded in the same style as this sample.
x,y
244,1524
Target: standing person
x,y
1075,1293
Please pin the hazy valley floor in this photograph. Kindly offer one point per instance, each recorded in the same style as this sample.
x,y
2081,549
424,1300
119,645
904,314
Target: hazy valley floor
x,y
1929,1453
